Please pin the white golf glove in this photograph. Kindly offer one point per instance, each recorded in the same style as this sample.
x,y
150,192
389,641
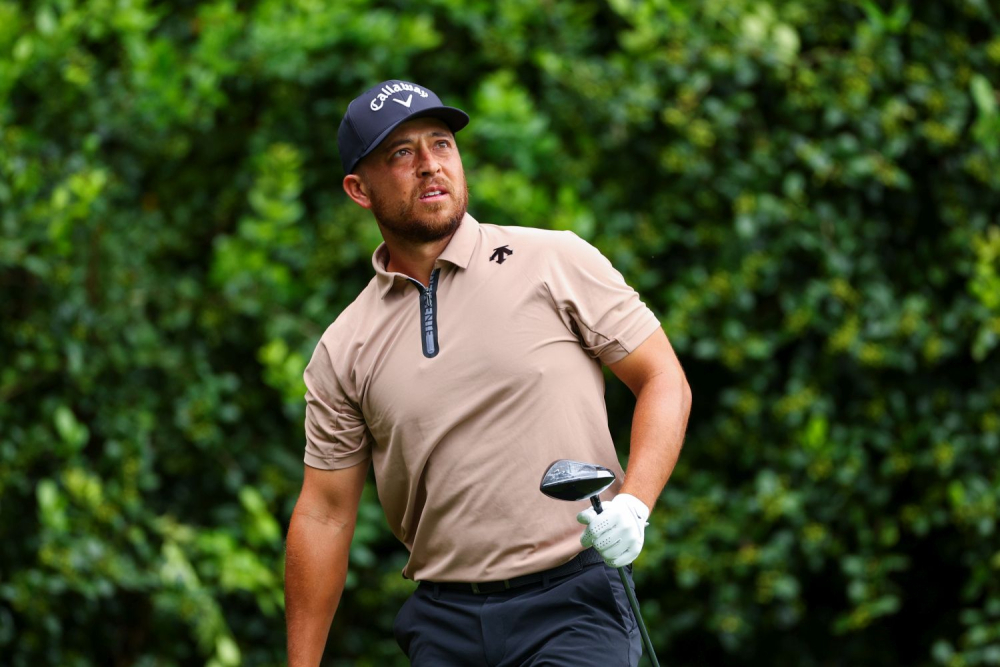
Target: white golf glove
x,y
617,532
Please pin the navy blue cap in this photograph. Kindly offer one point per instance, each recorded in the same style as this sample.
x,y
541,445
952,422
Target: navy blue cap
x,y
376,112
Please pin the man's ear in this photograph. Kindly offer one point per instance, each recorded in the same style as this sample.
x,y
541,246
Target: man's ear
x,y
357,190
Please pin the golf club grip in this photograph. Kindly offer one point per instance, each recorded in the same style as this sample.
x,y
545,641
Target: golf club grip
x,y
650,653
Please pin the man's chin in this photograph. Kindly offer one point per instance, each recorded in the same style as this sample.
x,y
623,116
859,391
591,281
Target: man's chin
x,y
439,210
444,217
442,226
425,228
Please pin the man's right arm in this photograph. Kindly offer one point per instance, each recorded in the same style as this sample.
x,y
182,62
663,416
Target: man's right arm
x,y
316,554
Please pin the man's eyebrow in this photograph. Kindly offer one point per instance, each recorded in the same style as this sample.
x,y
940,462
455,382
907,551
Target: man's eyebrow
x,y
392,145
398,142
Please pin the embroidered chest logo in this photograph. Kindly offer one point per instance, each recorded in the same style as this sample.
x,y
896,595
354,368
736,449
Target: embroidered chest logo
x,y
500,254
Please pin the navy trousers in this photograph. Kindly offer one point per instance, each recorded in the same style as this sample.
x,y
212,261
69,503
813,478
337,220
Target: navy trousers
x,y
578,620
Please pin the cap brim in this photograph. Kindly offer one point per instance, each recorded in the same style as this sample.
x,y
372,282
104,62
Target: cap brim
x,y
454,118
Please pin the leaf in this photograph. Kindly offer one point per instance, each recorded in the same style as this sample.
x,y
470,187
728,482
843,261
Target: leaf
x,y
983,95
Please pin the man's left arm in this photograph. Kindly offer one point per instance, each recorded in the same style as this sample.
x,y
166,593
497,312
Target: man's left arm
x,y
663,402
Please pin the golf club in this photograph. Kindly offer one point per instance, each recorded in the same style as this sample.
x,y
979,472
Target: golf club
x,y
574,481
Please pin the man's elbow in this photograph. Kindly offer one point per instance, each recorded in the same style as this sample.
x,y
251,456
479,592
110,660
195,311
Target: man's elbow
x,y
674,391
681,389
685,396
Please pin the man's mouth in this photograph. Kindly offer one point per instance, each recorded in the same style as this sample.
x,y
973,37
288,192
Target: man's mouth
x,y
433,195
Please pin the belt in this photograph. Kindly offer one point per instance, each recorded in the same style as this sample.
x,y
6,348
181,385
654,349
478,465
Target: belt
x,y
580,561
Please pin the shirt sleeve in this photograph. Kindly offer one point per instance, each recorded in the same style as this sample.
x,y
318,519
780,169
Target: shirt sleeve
x,y
336,433
596,303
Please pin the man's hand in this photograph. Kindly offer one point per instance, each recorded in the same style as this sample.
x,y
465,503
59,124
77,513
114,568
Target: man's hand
x,y
617,532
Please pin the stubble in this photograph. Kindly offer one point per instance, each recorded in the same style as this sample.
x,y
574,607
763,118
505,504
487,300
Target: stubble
x,y
408,226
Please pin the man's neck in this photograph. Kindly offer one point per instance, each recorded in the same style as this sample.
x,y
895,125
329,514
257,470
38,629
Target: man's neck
x,y
414,260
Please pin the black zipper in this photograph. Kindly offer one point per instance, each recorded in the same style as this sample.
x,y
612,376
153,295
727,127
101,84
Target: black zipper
x,y
428,315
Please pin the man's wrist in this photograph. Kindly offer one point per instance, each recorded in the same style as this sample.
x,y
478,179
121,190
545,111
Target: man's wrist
x,y
636,506
646,502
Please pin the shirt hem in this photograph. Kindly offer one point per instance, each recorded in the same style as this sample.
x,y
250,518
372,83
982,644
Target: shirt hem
x,y
629,343
314,461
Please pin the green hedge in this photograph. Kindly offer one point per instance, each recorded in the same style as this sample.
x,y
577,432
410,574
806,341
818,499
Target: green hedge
x,y
807,192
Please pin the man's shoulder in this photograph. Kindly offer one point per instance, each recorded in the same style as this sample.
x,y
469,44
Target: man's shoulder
x,y
354,317
549,241
549,255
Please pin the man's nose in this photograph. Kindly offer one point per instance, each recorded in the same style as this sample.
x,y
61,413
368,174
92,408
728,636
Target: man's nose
x,y
427,164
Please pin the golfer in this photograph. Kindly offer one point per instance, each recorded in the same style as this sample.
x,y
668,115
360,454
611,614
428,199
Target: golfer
x,y
470,362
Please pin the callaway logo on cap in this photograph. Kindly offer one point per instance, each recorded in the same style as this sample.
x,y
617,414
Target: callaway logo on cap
x,y
375,113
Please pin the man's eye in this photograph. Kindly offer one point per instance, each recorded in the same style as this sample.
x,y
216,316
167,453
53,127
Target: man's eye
x,y
401,152
443,144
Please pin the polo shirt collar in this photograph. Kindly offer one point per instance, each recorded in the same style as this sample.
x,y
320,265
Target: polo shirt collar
x,y
458,252
463,243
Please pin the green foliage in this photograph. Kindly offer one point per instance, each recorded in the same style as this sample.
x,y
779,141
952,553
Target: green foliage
x,y
807,192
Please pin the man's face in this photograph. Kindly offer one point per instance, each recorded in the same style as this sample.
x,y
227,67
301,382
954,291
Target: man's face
x,y
415,183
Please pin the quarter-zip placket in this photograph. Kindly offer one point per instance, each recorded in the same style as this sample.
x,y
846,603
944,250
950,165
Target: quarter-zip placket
x,y
428,315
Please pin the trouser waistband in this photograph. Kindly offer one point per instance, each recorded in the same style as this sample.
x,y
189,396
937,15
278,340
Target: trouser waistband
x,y
580,561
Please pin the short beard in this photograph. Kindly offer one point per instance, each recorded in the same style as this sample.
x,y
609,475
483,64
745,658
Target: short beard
x,y
402,224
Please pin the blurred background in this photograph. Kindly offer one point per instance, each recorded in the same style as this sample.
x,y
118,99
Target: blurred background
x,y
806,192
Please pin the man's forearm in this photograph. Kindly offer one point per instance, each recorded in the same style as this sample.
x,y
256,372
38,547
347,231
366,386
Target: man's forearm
x,y
661,413
316,558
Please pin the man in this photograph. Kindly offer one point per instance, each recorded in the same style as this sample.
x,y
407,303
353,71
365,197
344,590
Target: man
x,y
469,363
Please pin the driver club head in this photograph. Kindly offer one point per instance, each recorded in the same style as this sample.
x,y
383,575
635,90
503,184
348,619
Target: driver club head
x,y
575,480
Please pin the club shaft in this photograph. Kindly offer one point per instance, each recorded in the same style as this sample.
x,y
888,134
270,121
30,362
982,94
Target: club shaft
x,y
638,617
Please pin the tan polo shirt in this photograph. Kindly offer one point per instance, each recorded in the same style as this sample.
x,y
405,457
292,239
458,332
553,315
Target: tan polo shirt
x,y
462,393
